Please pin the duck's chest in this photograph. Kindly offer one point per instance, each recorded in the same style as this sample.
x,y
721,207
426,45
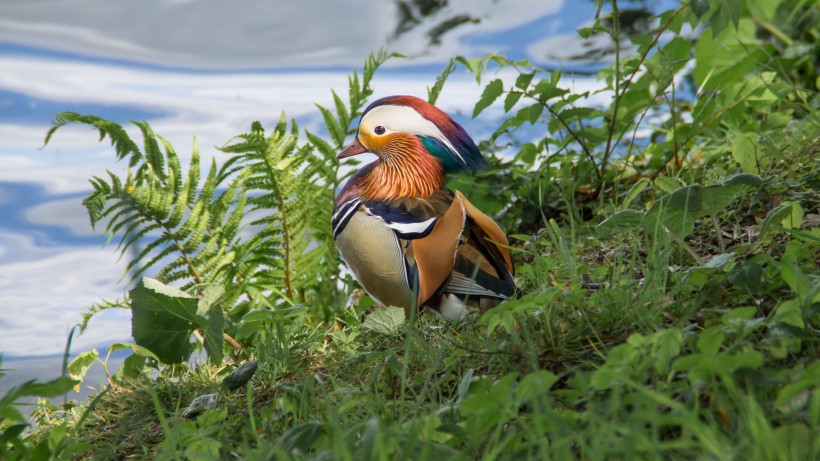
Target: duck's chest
x,y
377,258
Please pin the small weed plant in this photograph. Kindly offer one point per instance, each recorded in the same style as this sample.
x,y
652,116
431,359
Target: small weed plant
x,y
668,250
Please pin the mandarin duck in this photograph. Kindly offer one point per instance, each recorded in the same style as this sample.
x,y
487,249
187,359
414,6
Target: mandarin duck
x,y
410,241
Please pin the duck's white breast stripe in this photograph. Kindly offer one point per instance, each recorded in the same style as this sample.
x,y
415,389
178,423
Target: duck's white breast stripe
x,y
412,229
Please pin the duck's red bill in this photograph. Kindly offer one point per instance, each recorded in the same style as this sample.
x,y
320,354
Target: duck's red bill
x,y
355,148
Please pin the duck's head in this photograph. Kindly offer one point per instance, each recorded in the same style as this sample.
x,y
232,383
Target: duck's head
x,y
407,130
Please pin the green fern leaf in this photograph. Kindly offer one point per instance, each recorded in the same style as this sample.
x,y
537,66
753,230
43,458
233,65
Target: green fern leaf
x,y
153,156
342,115
123,145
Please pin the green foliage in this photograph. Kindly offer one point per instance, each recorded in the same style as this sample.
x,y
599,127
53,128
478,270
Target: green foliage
x,y
386,321
749,86
676,211
14,443
196,226
272,184
165,317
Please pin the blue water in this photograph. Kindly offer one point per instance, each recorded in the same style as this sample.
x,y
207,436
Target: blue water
x,y
204,70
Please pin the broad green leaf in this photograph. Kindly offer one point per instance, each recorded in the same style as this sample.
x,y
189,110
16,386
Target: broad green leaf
x,y
547,89
491,398
699,7
728,12
745,151
533,112
434,92
301,437
621,220
795,218
585,32
716,197
464,385
795,441
779,214
789,312
688,198
54,388
710,340
164,318
135,348
523,80
527,153
727,58
799,282
634,191
132,367
745,179
534,386
667,184
806,379
738,313
491,92
511,99
80,365
719,260
675,212
747,359
203,449
214,321
666,345
10,431
748,276
386,320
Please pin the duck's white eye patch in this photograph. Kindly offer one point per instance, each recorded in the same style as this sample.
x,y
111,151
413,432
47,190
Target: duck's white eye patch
x,y
403,119
379,130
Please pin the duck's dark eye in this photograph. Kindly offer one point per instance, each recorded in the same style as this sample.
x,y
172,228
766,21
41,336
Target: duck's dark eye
x,y
379,130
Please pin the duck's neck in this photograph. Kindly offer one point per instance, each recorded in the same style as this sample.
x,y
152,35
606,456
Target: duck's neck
x,y
396,178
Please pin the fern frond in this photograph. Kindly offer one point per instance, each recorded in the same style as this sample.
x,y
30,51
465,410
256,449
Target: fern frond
x,y
123,145
341,113
130,238
186,225
194,239
96,308
154,158
139,264
337,133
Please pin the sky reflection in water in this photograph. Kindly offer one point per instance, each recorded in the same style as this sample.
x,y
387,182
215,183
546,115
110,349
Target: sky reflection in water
x,y
203,69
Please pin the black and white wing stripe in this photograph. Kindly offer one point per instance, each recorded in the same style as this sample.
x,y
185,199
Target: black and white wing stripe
x,y
343,214
404,224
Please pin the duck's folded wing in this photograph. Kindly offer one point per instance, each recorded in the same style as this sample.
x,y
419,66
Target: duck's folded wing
x,y
435,253
489,240
471,280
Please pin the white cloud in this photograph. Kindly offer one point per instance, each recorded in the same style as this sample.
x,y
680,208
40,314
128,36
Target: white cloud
x,y
67,213
46,289
254,33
